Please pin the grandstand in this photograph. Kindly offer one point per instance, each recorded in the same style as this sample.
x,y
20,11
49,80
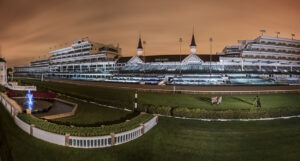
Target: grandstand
x,y
266,59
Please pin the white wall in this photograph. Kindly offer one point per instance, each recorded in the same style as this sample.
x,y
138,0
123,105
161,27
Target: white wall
x,y
80,142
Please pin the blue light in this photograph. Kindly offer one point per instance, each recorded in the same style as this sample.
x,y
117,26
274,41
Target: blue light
x,y
29,100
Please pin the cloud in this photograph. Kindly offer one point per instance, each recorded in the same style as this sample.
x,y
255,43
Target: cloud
x,y
28,28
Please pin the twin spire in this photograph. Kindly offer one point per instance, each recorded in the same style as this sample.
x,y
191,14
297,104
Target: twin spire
x,y
140,47
192,46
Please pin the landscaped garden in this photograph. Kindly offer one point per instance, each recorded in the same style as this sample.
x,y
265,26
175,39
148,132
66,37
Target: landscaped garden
x,y
172,139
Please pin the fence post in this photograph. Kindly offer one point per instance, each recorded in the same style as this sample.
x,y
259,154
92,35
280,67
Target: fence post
x,y
31,129
67,136
143,128
112,138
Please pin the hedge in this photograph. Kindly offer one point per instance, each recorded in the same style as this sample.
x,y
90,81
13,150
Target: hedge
x,y
85,131
233,114
164,110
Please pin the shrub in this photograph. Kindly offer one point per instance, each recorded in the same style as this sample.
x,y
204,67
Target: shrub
x,y
164,110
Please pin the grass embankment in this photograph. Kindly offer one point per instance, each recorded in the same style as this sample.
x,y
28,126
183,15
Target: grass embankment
x,y
88,114
172,139
186,105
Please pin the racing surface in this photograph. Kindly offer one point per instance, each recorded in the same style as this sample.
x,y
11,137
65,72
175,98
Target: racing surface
x,y
190,89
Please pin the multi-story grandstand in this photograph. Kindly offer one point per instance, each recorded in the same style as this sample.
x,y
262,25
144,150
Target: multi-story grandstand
x,y
264,60
84,59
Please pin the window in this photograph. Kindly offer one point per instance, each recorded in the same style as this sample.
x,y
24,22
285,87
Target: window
x,y
70,141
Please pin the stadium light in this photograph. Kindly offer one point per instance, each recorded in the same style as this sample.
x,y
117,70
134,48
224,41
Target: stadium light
x,y
262,31
293,35
180,43
210,42
277,33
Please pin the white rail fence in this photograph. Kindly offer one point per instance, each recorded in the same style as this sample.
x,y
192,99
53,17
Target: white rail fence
x,y
77,141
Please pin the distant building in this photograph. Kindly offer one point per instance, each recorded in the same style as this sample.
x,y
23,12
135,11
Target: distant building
x,y
84,59
264,60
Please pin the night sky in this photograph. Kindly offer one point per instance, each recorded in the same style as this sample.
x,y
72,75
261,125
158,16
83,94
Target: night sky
x,y
29,28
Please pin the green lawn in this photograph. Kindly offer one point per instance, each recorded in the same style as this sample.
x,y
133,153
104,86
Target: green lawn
x,y
269,101
88,113
186,105
172,139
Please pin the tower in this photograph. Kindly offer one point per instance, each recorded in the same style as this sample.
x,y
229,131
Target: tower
x,y
140,47
193,45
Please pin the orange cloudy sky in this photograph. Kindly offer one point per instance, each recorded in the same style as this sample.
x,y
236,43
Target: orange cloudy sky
x,y
29,28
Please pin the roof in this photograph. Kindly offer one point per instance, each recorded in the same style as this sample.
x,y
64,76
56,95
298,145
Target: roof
x,y
124,59
206,57
164,58
193,42
169,58
2,60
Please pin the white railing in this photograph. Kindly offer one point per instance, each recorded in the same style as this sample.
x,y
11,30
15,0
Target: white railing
x,y
22,88
124,137
77,141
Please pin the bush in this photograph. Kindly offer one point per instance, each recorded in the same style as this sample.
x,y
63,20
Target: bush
x,y
164,110
232,114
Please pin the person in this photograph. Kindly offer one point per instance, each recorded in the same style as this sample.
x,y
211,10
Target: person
x,y
219,100
258,103
214,100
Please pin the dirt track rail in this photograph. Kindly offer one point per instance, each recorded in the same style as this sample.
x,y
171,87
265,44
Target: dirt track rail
x,y
217,89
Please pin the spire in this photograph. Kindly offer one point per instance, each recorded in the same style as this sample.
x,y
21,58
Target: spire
x,y
193,42
140,46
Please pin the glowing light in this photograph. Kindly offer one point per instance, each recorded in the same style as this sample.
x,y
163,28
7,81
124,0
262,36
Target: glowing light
x,y
29,101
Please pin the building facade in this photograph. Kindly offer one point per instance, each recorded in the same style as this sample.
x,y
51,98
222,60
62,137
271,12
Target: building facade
x,y
264,60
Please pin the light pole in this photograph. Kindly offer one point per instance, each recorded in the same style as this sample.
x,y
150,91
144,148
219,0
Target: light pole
x,y
277,33
210,56
293,35
180,43
262,31
144,43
